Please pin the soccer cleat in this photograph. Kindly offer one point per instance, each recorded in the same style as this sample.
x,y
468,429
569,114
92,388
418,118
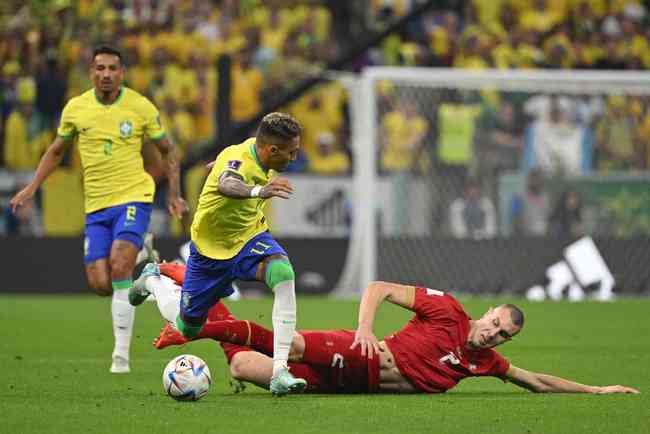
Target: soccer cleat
x,y
285,383
237,386
138,292
120,365
169,336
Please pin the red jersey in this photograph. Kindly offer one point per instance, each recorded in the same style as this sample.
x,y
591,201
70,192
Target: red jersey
x,y
430,350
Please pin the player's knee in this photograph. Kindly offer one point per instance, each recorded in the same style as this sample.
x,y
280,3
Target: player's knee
x,y
238,365
121,268
278,271
101,287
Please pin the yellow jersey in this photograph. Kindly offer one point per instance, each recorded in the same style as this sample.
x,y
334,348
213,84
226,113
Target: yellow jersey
x,y
110,137
222,225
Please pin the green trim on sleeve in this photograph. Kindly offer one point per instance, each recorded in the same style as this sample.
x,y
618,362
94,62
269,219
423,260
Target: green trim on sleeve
x,y
159,136
66,137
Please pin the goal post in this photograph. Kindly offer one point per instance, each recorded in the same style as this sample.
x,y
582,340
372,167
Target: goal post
x,y
404,189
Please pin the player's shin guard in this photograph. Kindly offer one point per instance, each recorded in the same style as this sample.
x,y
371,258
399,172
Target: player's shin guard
x,y
123,315
280,278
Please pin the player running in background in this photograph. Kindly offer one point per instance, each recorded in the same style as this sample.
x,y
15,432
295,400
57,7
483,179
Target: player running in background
x,y
438,347
231,240
109,124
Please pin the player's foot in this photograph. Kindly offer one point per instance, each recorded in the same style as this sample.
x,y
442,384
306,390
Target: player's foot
x,y
237,386
138,292
174,271
169,336
120,365
284,383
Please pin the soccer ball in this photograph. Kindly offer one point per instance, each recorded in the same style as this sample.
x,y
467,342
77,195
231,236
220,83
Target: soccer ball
x,y
186,378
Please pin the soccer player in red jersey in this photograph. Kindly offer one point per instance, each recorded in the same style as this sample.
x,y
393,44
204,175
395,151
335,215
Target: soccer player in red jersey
x,y
437,348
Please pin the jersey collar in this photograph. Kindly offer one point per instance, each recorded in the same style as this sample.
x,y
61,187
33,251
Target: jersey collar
x,y
119,97
257,159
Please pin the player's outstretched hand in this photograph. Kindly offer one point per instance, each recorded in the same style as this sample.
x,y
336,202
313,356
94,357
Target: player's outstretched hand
x,y
20,198
177,206
616,389
367,341
277,187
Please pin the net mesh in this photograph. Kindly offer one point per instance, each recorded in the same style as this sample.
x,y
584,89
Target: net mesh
x,y
481,178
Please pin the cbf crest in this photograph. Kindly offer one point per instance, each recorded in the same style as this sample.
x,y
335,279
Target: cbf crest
x,y
126,129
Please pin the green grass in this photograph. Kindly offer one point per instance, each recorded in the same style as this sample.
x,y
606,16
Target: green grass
x,y
55,354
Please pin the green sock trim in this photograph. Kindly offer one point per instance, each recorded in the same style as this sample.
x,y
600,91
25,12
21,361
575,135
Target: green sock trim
x,y
188,330
278,271
122,284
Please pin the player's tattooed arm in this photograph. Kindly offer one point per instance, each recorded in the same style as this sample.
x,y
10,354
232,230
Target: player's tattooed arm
x,y
175,203
231,184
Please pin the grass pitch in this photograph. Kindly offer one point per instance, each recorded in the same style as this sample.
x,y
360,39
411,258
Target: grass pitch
x,y
55,354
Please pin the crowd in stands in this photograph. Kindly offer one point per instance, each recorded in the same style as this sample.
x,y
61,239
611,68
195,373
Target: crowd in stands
x,y
170,48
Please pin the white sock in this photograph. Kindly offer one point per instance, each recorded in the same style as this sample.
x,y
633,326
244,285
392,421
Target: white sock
x,y
284,323
168,296
123,316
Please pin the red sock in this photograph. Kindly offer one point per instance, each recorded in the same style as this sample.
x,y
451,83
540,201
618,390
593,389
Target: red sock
x,y
219,312
240,333
231,349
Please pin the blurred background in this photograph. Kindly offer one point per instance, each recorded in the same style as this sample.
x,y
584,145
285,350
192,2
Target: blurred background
x,y
478,189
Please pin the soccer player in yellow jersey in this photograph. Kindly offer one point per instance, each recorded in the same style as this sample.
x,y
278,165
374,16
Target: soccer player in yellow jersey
x,y
230,240
108,123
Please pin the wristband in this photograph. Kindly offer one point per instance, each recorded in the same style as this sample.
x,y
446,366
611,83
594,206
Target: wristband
x,y
255,192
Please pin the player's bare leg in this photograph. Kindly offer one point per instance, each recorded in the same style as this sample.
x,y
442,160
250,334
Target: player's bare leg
x,y
122,262
98,275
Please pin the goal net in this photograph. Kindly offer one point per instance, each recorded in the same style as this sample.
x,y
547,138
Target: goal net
x,y
452,164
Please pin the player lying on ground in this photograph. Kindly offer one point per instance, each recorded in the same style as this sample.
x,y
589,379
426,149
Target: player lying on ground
x,y
438,347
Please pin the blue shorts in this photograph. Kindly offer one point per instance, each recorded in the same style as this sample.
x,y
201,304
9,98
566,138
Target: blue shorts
x,y
127,222
207,280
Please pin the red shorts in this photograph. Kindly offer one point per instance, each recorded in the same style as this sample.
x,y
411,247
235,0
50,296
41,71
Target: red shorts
x,y
341,370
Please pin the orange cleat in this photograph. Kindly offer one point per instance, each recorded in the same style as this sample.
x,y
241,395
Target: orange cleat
x,y
169,336
174,271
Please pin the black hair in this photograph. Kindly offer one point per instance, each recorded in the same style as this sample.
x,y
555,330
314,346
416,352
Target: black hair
x,y
516,315
107,49
278,128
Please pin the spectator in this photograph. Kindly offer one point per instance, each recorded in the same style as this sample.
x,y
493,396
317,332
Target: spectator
x,y
403,131
501,140
529,212
473,215
566,218
328,159
615,137
558,146
25,138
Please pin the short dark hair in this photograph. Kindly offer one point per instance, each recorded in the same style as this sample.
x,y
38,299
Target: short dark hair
x,y
516,315
107,49
278,128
